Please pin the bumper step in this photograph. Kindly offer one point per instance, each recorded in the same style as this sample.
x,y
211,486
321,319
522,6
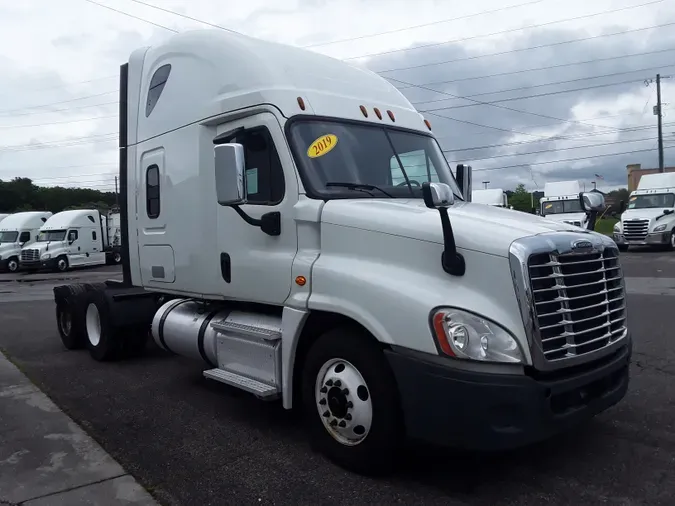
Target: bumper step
x,y
257,388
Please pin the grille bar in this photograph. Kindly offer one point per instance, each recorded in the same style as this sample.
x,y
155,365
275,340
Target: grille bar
x,y
578,301
635,230
30,255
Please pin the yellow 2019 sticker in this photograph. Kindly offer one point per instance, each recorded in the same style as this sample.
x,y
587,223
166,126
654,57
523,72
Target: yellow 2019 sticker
x,y
632,198
548,206
322,145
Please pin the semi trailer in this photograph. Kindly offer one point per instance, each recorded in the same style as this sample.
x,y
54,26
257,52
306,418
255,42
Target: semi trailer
x,y
277,228
491,197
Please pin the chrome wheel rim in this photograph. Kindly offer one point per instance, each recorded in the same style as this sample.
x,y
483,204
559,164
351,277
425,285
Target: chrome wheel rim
x,y
343,402
93,325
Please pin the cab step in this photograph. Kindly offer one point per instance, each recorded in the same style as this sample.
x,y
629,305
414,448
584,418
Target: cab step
x,y
257,388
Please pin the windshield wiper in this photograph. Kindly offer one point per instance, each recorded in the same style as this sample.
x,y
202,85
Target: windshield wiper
x,y
359,186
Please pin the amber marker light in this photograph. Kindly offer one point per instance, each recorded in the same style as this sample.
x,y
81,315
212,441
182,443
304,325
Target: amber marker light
x,y
301,103
300,280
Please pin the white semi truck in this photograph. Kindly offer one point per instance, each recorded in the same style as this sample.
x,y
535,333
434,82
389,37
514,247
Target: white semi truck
x,y
267,234
491,197
75,238
649,218
561,203
17,231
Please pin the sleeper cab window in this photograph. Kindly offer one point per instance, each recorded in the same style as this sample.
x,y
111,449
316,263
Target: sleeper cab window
x,y
156,87
152,191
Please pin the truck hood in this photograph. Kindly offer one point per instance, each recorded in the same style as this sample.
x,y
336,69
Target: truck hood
x,y
46,247
476,227
644,214
8,246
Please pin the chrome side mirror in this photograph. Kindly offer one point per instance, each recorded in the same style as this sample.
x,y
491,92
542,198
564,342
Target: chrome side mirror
x,y
230,172
437,195
592,201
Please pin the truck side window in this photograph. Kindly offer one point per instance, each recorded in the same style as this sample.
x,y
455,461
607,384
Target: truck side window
x,y
264,173
152,191
72,236
417,165
24,237
159,79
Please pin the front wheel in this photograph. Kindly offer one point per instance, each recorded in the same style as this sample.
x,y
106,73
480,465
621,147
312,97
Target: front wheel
x,y
62,264
671,243
13,265
351,402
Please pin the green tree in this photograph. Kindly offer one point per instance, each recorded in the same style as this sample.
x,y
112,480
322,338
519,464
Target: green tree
x,y
521,199
20,194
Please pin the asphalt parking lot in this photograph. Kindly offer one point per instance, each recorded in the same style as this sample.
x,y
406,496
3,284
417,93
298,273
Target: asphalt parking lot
x,y
190,441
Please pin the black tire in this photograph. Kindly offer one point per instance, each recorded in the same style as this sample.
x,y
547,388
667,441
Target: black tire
x,y
103,341
13,265
71,336
62,264
377,454
116,258
622,247
671,244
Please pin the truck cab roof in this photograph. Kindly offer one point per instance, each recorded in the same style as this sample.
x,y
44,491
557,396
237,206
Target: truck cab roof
x,y
203,74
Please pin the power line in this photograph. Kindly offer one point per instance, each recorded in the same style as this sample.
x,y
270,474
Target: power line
x,y
510,51
185,16
510,30
56,103
65,85
588,146
536,95
131,16
57,144
549,67
550,139
507,90
67,109
59,122
568,159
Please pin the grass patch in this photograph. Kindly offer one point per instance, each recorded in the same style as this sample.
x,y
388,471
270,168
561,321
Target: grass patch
x,y
605,225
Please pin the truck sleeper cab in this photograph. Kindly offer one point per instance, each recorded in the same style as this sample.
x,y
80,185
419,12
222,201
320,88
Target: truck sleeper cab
x,y
290,221
18,230
649,218
68,239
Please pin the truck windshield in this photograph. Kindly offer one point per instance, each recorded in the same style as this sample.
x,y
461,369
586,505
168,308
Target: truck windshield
x,y
652,200
8,236
561,206
52,235
340,159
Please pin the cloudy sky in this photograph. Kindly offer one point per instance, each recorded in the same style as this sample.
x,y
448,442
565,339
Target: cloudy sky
x,y
523,90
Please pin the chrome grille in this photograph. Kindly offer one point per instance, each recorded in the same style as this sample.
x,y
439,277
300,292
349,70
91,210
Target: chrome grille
x,y
30,255
578,301
635,230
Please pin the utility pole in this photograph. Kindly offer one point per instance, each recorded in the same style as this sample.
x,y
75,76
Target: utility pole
x,y
117,200
486,183
660,120
658,112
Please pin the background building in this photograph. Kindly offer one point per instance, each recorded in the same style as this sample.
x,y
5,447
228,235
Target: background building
x,y
635,172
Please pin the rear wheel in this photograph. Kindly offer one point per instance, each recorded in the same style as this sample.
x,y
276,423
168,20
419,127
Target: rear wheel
x,y
117,258
65,324
351,402
103,341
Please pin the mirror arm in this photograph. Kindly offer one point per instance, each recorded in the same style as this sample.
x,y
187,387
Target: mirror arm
x,y
453,262
269,223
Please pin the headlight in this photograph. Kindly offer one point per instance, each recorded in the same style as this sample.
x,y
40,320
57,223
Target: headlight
x,y
660,228
46,256
617,227
468,336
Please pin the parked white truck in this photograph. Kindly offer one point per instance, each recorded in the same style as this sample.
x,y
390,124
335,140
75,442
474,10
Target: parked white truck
x,y
561,203
491,197
265,234
75,238
19,230
649,218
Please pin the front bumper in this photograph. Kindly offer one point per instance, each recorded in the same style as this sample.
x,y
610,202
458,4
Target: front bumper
x,y
652,239
39,264
487,412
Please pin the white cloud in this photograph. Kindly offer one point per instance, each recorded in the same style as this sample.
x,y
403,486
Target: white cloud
x,y
67,53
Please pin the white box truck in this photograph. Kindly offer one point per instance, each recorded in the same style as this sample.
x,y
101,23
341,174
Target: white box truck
x,y
75,238
268,235
649,217
17,231
491,197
